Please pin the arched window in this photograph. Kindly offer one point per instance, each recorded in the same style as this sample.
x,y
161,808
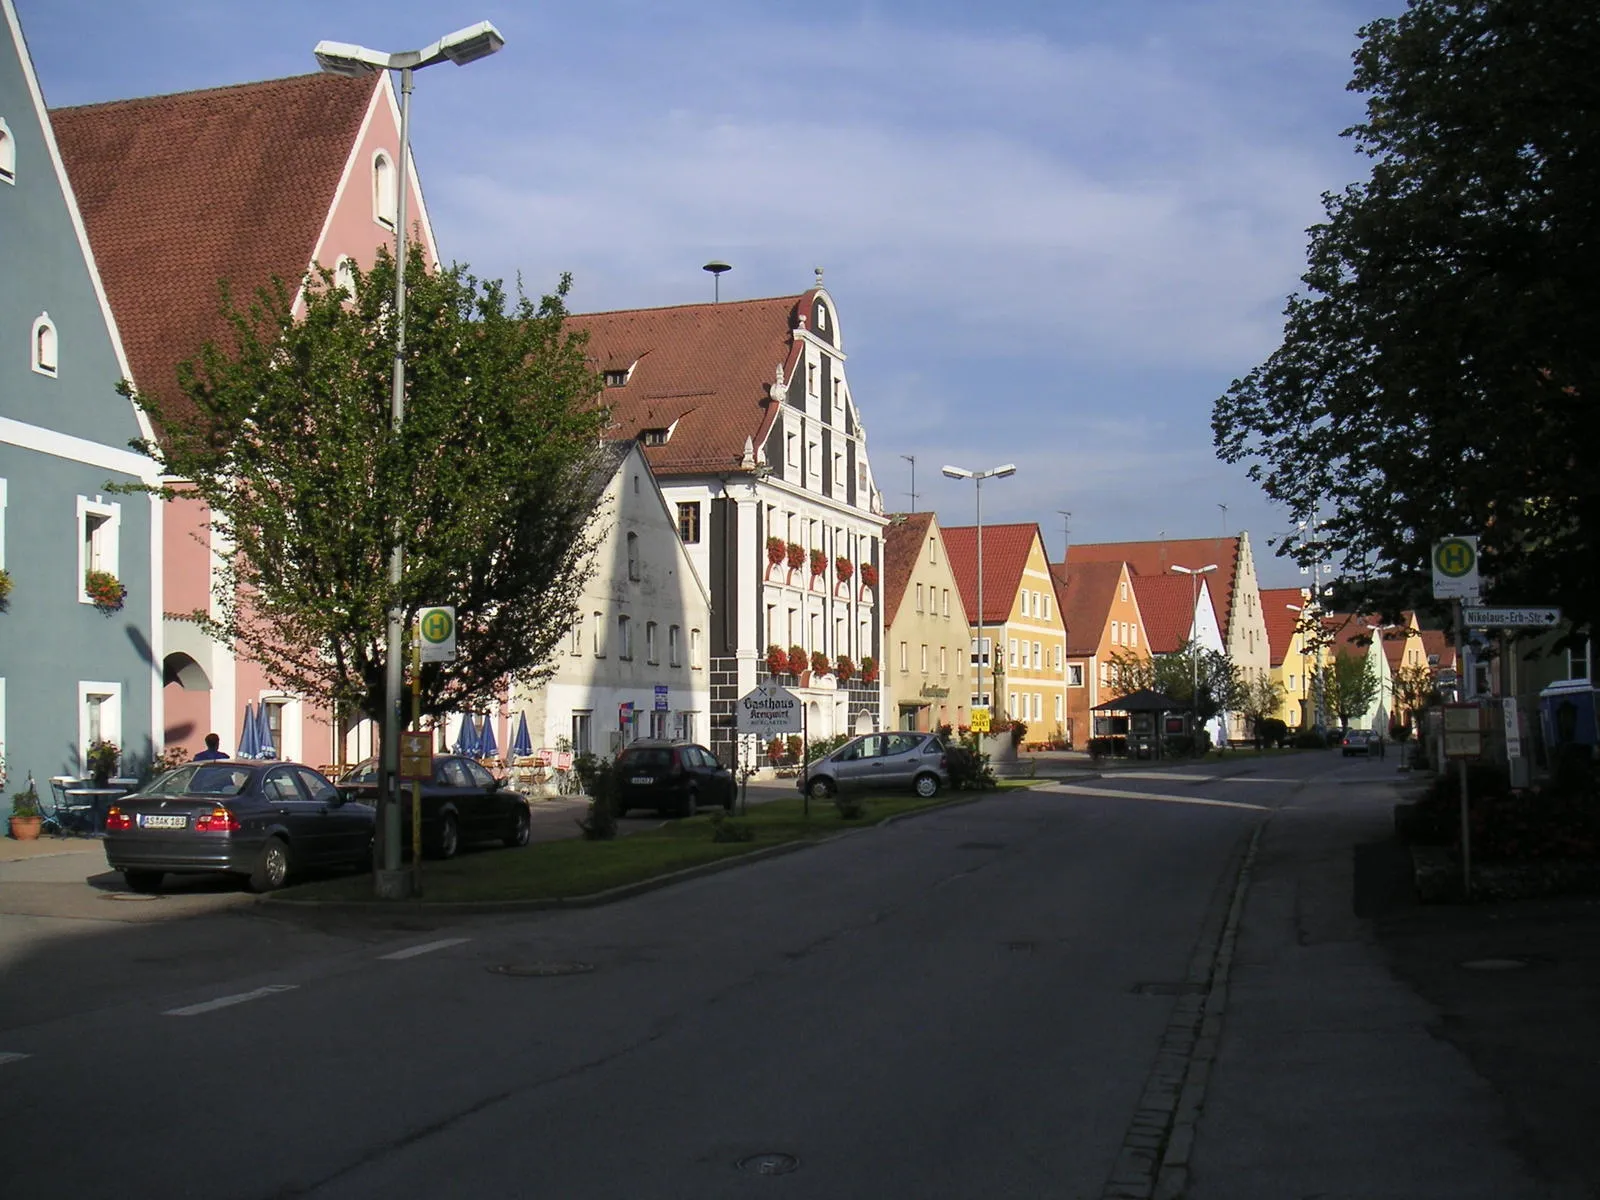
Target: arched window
x,y
44,345
8,154
384,195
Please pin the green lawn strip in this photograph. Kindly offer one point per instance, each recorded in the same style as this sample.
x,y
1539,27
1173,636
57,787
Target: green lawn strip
x,y
574,867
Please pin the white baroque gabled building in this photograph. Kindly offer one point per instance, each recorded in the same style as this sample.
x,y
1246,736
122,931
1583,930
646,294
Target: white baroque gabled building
x,y
745,414
634,661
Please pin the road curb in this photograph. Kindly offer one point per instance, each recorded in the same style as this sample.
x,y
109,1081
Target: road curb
x,y
595,899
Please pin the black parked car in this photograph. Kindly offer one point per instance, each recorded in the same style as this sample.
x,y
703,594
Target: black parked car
x,y
461,805
671,777
261,820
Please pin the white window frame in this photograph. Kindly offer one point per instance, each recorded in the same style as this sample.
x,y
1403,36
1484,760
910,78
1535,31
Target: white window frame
x,y
674,645
919,597
650,655
599,621
1038,657
102,551
1011,653
8,154
947,603
905,657
944,660
924,658
44,347
577,638
385,189
624,637
694,650
110,716
1074,674
633,557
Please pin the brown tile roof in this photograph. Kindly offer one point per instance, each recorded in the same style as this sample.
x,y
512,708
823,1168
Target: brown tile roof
x,y
1350,631
903,540
1166,606
1084,592
1280,621
179,192
706,366
1005,555
1159,557
1440,649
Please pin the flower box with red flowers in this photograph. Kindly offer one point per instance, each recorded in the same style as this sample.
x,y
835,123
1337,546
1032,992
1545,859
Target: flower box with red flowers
x,y
798,660
776,550
105,590
777,659
796,554
844,668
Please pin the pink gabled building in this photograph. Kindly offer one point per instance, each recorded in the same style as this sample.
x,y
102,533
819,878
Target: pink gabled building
x,y
237,184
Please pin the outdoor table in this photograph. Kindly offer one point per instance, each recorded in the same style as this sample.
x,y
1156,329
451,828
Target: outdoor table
x,y
97,797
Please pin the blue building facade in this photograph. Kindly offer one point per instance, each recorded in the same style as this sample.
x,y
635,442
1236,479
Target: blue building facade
x,y
71,671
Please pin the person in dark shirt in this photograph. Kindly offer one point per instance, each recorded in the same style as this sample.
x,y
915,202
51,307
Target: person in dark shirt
x,y
211,751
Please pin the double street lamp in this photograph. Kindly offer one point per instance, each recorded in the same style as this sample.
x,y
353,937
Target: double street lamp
x,y
977,478
1194,574
342,58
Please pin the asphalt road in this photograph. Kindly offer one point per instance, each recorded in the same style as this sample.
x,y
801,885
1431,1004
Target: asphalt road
x,y
1002,999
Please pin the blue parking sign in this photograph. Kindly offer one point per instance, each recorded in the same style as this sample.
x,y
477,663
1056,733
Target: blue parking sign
x,y
661,697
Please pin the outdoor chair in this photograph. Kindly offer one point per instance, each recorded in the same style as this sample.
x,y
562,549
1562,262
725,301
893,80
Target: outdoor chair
x,y
66,814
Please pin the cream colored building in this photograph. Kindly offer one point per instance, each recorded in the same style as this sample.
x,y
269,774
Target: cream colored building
x,y
925,664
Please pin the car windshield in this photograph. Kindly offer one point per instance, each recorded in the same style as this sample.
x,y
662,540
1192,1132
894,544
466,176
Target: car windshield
x,y
201,779
366,772
644,757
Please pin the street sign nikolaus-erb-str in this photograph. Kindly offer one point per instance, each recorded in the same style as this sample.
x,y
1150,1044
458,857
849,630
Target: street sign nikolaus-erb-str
x,y
1538,617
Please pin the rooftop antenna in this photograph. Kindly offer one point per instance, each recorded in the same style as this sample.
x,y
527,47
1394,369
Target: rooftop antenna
x,y
716,266
912,459
1224,509
1066,532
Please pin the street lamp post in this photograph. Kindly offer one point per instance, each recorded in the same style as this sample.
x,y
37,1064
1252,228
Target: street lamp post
x,y
1194,574
342,58
977,478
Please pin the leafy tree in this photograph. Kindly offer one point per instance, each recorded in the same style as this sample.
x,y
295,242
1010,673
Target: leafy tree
x,y
285,435
1174,675
1349,685
1259,696
1413,688
1438,375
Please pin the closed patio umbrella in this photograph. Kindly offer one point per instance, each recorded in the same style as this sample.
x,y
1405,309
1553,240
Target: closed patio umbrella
x,y
248,746
467,739
264,745
488,746
522,744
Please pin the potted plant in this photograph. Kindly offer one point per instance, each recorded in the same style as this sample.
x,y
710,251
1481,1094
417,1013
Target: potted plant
x,y
102,759
869,669
844,567
819,664
844,668
797,660
797,555
26,815
819,563
869,576
105,590
777,659
775,551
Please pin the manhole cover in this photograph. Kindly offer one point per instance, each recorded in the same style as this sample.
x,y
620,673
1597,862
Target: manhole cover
x,y
1495,964
541,970
769,1164
1168,989
135,896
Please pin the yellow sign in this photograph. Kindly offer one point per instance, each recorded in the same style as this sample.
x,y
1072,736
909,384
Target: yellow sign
x,y
980,720
1455,568
438,629
416,756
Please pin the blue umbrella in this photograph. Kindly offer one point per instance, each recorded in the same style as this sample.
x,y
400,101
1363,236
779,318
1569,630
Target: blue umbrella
x,y
522,745
467,739
488,747
248,746
265,747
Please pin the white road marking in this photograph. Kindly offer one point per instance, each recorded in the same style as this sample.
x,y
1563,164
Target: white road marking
x,y
189,1010
425,948
1182,775
1120,795
10,1056
1258,779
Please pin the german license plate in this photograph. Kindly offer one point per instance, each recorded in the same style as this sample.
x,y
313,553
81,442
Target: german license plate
x,y
160,821
643,780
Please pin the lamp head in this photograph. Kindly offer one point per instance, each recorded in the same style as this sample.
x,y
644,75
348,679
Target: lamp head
x,y
955,473
472,43
1002,472
348,59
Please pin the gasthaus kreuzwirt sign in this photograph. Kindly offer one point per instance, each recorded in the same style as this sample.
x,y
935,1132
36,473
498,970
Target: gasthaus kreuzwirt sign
x,y
768,709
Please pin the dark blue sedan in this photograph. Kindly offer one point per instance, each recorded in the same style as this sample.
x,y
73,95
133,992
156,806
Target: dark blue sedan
x,y
259,820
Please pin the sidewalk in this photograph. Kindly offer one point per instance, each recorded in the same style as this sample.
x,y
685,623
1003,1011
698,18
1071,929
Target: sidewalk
x,y
1359,1056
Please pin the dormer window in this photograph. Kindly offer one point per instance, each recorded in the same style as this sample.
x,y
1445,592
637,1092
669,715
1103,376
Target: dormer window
x,y
8,154
384,193
44,345
654,437
616,378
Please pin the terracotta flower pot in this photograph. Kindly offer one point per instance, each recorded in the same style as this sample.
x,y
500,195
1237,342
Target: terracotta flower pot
x,y
26,829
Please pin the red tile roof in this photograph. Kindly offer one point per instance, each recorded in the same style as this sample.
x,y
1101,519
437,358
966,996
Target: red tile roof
x,y
1440,649
1159,557
1005,554
1166,605
1280,620
179,192
903,540
1351,631
706,366
1084,594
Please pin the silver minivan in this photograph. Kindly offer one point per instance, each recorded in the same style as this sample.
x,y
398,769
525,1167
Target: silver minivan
x,y
880,762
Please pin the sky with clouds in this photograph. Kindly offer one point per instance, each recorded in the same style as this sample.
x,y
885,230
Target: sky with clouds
x,y
1055,229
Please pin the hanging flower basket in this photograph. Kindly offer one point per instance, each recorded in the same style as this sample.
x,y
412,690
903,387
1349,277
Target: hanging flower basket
x,y
777,659
869,669
775,551
797,555
797,660
105,590
819,562
819,664
844,567
844,668
869,576
5,586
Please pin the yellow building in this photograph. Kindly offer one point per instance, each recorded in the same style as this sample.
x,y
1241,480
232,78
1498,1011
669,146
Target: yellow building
x,y
925,664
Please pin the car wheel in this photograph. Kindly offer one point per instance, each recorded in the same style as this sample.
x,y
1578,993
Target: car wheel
x,y
144,881
521,828
272,866
449,840
927,786
820,788
690,805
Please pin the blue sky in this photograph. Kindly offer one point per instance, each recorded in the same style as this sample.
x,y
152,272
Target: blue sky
x,y
1055,231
